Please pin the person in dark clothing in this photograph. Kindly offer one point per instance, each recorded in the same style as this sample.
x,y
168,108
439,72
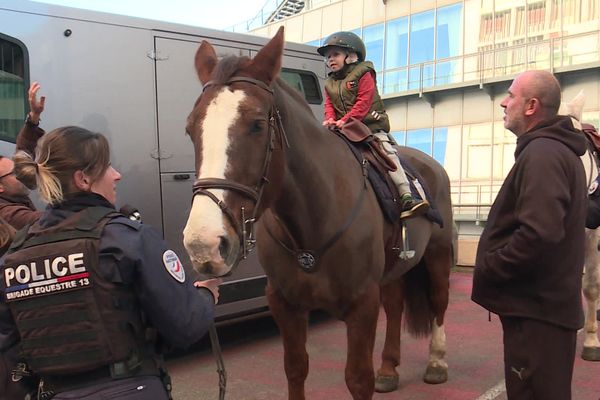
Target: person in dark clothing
x,y
16,207
530,257
89,296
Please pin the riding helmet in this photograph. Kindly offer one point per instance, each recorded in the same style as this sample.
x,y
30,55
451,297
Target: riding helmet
x,y
345,40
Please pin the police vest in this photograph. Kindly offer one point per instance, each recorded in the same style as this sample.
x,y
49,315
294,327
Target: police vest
x,y
71,319
343,91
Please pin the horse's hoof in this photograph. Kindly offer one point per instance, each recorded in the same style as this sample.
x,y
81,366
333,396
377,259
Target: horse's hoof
x,y
435,374
591,353
385,384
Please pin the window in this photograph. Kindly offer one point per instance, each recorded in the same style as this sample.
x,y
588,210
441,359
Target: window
x,y
399,137
449,27
396,46
304,82
13,81
419,139
373,38
421,37
440,138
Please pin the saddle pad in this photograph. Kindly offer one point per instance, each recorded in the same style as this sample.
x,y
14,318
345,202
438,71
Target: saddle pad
x,y
383,192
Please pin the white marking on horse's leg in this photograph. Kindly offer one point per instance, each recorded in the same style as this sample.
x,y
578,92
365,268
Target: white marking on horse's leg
x,y
437,346
591,288
206,222
494,392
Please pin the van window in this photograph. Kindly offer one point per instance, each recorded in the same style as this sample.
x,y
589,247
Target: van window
x,y
305,82
12,87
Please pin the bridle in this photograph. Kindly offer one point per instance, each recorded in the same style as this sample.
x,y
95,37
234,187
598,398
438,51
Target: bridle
x,y
245,227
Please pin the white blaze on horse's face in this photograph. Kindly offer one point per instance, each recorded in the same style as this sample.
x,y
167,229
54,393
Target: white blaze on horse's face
x,y
207,226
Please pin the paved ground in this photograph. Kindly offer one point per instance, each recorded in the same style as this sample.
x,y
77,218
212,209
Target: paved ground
x,y
254,360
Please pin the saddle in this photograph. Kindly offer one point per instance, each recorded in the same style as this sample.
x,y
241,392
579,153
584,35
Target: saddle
x,y
592,136
365,147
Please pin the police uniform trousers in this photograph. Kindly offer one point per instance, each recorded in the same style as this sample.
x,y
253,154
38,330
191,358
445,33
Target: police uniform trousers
x,y
137,388
538,359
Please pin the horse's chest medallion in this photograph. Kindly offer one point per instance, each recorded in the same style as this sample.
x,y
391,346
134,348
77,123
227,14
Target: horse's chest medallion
x,y
307,261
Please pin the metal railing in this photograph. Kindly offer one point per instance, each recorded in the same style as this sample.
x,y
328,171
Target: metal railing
x,y
473,202
489,65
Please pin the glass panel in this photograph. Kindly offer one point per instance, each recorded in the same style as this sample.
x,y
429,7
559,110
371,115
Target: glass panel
x,y
448,72
539,55
395,81
428,75
373,38
449,28
421,37
12,89
581,49
396,46
440,138
304,82
419,139
399,137
414,77
504,150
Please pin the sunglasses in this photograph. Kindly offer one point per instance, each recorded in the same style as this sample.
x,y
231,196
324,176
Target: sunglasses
x,y
11,172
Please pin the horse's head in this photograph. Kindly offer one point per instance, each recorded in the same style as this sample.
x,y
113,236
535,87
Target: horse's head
x,y
234,127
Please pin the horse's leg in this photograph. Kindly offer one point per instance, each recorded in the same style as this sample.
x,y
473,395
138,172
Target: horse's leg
x,y
438,261
392,299
591,291
292,324
361,325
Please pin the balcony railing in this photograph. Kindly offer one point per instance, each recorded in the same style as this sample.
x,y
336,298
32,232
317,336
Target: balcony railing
x,y
491,65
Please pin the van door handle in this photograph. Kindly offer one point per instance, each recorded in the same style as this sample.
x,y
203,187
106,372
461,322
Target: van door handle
x,y
181,177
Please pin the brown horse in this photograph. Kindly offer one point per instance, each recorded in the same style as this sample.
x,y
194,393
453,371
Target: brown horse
x,y
261,156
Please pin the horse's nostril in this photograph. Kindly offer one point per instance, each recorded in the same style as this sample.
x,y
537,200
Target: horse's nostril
x,y
224,247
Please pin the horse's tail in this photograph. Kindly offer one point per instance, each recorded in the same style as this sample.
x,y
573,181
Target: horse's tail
x,y
418,313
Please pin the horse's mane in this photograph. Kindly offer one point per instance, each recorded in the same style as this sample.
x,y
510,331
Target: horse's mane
x,y
228,67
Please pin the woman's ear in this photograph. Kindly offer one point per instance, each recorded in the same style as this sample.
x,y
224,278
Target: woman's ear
x,y
82,181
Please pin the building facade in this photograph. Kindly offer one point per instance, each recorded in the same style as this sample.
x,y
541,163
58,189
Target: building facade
x,y
443,67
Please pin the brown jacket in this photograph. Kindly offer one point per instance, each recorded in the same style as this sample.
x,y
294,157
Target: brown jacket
x,y
530,255
18,212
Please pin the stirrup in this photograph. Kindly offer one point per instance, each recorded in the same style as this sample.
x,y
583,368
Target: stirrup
x,y
417,210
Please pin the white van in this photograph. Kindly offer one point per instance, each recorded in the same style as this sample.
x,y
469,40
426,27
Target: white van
x,y
134,81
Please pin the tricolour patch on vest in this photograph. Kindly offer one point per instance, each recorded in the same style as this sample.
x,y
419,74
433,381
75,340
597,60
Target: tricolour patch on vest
x,y
46,275
173,265
351,85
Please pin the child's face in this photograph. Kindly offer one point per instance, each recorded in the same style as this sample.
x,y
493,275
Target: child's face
x,y
335,58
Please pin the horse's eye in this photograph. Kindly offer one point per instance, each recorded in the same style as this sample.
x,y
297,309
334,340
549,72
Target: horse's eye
x,y
257,126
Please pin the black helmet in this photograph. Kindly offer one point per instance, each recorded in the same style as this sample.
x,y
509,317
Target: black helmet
x,y
346,40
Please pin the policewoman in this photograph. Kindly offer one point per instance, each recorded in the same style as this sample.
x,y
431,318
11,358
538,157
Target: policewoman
x,y
89,296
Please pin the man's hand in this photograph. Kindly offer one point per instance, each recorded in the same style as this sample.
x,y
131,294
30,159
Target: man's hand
x,y
36,106
212,285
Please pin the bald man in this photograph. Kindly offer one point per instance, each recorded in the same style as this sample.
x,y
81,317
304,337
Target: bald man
x,y
530,256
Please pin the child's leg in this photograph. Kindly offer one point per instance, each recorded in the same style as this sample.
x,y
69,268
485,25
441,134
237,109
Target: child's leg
x,y
398,176
410,207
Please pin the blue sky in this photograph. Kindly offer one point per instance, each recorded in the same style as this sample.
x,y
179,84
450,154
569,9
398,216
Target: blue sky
x,y
216,14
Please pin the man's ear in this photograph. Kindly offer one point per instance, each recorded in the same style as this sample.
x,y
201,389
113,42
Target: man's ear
x,y
82,181
533,106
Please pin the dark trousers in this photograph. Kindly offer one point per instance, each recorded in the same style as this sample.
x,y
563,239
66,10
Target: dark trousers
x,y
538,359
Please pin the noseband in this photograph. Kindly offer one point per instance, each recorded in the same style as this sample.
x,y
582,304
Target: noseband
x,y
245,227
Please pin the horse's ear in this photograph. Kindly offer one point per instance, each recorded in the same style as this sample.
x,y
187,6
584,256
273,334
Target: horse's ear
x,y
205,61
266,64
